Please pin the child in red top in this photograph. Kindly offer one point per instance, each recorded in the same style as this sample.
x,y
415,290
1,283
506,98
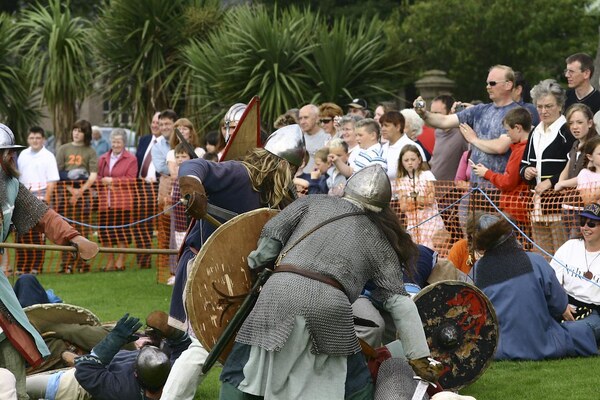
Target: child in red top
x,y
514,197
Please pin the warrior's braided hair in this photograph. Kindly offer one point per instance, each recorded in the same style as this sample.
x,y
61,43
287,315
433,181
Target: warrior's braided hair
x,y
271,176
387,221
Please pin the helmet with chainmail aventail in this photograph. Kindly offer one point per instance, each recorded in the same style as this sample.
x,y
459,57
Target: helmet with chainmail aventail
x,y
287,143
7,139
371,187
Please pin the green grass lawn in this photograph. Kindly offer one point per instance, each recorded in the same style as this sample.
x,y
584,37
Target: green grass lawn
x,y
109,295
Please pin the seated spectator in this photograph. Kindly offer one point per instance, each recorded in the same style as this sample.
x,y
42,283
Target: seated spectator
x,y
212,142
117,171
415,190
462,255
580,257
527,297
514,192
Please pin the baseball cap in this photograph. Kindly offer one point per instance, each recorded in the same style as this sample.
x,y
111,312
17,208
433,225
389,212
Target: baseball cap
x,y
358,103
591,211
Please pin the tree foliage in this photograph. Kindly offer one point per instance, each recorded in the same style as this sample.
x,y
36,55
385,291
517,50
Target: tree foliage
x,y
16,108
56,50
287,58
137,46
466,37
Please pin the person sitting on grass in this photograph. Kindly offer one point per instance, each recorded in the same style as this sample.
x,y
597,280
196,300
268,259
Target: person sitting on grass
x,y
528,298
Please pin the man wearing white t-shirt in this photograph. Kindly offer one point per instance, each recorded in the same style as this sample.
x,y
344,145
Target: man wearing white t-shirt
x,y
39,173
392,130
314,136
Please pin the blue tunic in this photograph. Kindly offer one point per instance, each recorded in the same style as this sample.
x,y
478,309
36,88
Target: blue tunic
x,y
228,186
527,307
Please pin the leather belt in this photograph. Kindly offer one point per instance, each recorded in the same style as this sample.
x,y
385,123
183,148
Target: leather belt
x,y
309,274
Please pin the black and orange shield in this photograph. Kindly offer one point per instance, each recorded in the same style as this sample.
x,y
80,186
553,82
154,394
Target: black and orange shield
x,y
461,328
220,279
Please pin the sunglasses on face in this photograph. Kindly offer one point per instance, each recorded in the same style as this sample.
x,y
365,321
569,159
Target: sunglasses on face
x,y
494,83
325,120
586,221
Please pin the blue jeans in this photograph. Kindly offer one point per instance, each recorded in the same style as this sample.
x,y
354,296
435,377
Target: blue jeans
x,y
593,321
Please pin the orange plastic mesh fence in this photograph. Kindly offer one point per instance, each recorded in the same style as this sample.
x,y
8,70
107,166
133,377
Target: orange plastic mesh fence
x,y
110,216
435,214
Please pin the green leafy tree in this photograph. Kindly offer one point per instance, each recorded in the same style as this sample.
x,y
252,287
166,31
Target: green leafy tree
x,y
137,45
17,109
466,37
56,50
255,53
288,58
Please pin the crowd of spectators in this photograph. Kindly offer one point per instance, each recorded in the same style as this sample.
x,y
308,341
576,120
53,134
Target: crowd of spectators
x,y
433,155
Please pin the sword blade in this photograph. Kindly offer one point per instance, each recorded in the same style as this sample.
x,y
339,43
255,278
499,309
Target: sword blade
x,y
420,390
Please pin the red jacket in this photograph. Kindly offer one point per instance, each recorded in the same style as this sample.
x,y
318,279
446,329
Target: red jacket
x,y
515,195
122,190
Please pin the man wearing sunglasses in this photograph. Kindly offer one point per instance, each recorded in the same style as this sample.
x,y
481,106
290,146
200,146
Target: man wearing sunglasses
x,y
481,125
581,277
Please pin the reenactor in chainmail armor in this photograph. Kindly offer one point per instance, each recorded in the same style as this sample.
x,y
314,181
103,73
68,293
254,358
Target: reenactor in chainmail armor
x,y
299,340
19,341
263,178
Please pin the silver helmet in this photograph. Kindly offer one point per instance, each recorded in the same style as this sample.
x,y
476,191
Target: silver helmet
x,y
152,367
287,143
7,139
370,187
233,115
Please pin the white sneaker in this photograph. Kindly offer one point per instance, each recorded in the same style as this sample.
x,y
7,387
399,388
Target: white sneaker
x,y
171,280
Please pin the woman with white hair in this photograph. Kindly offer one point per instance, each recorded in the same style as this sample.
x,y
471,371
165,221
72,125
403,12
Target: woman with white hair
x,y
413,128
544,159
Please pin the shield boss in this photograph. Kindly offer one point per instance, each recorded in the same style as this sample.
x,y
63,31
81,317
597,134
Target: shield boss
x,y
461,328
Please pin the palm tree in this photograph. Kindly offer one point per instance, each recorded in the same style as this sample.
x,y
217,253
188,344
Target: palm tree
x,y
137,44
56,49
288,58
255,53
16,108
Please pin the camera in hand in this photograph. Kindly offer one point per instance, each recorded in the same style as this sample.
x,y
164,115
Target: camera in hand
x,y
420,104
459,107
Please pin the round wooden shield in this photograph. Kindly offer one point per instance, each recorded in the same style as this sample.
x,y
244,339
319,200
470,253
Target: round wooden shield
x,y
461,328
220,279
42,316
